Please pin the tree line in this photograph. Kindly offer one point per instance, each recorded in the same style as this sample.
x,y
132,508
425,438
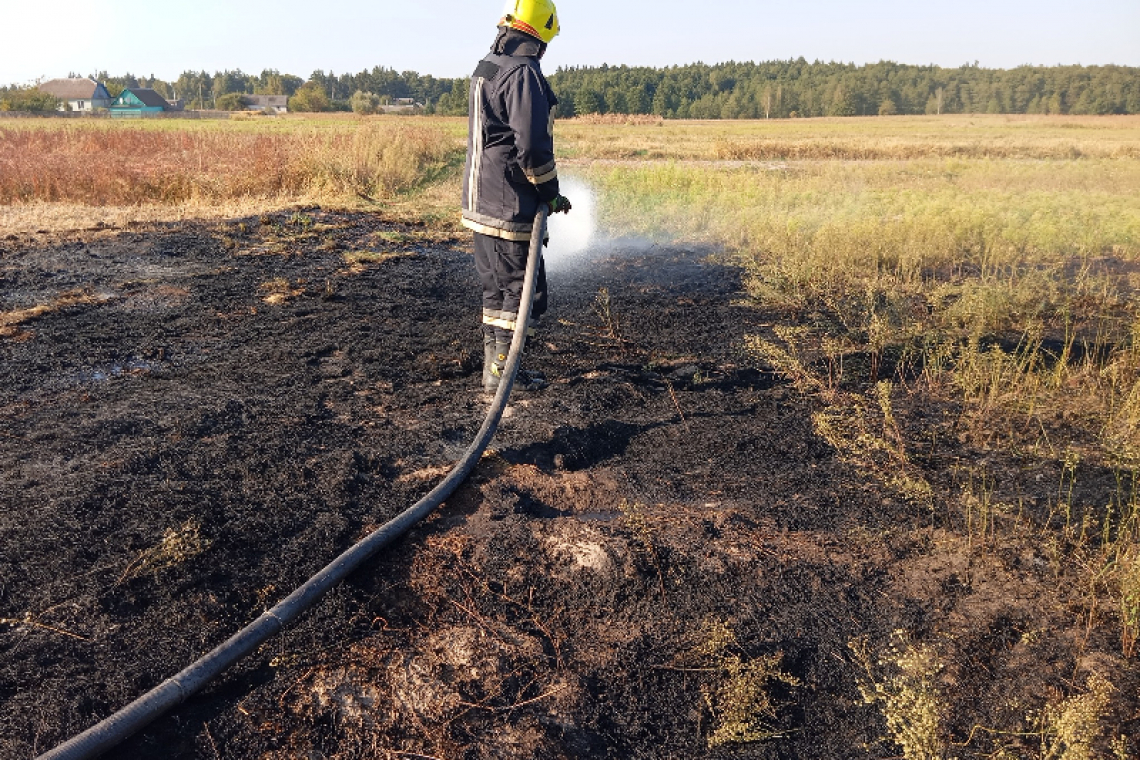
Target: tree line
x,y
771,89
201,90
322,91
783,89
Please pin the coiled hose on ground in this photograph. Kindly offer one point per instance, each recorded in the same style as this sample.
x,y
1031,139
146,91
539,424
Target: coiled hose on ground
x,y
173,691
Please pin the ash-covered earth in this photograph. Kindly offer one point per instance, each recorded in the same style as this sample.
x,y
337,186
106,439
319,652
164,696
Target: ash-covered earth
x,y
658,558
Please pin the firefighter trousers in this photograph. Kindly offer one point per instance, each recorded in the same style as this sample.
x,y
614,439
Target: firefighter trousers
x,y
501,265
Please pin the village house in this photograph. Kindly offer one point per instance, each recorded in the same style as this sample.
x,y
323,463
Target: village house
x,y
402,105
78,94
133,102
275,103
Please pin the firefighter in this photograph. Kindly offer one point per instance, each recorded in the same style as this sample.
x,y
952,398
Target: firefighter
x,y
510,170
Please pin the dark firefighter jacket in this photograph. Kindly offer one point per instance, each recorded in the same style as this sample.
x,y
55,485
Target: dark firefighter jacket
x,y
510,144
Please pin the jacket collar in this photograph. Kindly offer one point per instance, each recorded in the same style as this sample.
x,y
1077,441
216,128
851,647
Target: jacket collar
x,y
515,43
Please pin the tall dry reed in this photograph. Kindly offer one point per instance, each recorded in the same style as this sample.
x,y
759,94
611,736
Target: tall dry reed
x,y
117,164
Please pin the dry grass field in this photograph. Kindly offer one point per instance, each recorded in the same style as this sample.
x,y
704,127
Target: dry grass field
x,y
932,258
910,137
957,299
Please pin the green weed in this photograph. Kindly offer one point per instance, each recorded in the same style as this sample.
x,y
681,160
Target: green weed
x,y
1130,601
357,259
1071,729
741,702
903,681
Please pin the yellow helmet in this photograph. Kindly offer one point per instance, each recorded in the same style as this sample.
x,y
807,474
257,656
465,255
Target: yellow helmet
x,y
538,18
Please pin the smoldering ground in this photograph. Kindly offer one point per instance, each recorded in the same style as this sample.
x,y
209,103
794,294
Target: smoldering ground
x,y
660,557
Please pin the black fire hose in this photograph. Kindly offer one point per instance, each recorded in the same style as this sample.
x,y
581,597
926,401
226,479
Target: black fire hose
x,y
173,691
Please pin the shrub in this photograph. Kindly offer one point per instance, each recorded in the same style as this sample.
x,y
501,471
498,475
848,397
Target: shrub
x,y
309,98
231,101
365,103
27,99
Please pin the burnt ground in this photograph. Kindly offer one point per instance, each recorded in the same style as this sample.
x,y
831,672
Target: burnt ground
x,y
659,558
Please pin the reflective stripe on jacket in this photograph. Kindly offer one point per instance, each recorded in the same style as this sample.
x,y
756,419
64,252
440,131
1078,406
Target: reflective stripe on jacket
x,y
510,144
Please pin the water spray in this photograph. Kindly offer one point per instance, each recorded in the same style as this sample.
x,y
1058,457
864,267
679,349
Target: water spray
x,y
571,234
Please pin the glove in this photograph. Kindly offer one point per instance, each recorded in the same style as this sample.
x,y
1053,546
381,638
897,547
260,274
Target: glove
x,y
560,205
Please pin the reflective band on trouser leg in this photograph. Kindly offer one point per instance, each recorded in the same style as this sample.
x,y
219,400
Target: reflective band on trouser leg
x,y
509,326
488,326
507,321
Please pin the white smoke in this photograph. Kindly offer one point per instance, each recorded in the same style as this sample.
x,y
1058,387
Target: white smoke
x,y
573,236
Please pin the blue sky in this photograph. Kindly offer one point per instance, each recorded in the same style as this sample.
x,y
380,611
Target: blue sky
x,y
446,37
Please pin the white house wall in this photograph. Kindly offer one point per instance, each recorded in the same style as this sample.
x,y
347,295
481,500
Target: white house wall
x,y
85,105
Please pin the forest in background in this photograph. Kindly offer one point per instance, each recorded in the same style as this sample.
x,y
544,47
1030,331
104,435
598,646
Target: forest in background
x,y
773,89
782,89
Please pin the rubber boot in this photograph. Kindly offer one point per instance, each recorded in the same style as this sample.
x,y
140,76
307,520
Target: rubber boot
x,y
499,360
525,380
490,378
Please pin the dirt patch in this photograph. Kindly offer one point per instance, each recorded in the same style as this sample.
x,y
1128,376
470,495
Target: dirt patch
x,y
659,558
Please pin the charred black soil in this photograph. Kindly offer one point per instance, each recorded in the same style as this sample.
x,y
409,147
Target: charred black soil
x,y
659,558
